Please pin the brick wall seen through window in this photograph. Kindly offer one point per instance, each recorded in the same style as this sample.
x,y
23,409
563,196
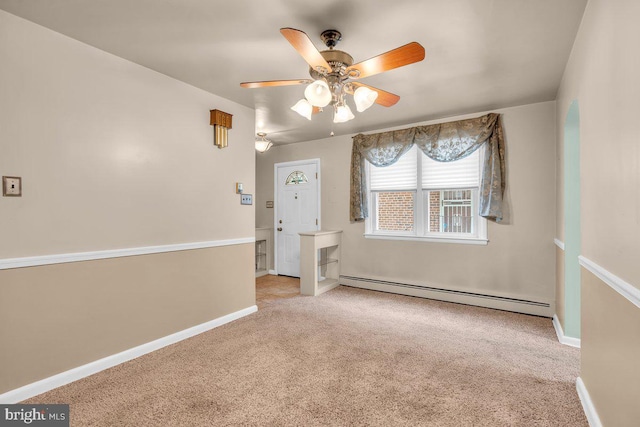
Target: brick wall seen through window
x,y
395,211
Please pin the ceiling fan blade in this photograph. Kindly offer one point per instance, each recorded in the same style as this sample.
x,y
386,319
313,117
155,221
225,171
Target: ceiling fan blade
x,y
386,99
399,57
271,83
305,47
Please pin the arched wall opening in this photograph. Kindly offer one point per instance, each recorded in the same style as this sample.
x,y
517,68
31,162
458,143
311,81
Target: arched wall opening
x,y
572,235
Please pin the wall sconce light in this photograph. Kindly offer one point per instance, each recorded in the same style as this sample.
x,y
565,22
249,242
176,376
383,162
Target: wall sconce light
x,y
221,122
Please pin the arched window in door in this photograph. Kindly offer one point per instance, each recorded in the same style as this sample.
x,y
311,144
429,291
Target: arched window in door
x,y
296,177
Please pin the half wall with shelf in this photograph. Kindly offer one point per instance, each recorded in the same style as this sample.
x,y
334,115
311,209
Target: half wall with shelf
x,y
319,261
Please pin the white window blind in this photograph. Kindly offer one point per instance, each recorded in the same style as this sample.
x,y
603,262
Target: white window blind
x,y
463,173
402,175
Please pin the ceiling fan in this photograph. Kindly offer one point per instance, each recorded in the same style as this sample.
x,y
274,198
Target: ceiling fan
x,y
334,75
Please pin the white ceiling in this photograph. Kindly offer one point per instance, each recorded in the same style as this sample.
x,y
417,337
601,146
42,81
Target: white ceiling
x,y
480,54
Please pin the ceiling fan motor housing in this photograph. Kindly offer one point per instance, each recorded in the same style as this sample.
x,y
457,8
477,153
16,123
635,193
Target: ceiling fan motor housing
x,y
339,62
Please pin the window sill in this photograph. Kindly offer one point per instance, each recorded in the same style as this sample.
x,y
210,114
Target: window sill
x,y
455,240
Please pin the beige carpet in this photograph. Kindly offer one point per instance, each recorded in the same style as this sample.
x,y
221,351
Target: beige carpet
x,y
348,357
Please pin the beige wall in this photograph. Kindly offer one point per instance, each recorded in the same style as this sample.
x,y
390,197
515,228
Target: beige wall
x,y
603,77
112,155
602,74
610,352
56,317
519,260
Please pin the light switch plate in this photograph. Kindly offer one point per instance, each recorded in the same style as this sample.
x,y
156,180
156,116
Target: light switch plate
x,y
246,199
12,186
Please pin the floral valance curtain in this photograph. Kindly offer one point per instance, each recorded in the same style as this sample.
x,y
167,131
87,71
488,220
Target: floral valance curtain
x,y
444,142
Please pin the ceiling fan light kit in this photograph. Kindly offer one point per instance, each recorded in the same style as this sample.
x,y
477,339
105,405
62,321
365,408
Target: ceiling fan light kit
x,y
318,94
335,75
304,108
364,98
342,114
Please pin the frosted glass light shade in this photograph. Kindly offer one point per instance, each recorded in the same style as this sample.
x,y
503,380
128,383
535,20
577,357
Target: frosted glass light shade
x,y
343,114
318,93
364,98
263,145
304,108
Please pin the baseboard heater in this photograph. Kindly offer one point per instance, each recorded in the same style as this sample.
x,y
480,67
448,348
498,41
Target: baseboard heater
x,y
465,297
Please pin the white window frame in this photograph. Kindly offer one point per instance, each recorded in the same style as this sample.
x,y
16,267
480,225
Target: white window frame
x,y
421,203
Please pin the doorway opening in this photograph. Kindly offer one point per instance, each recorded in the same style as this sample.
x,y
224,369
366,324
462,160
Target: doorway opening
x,y
572,236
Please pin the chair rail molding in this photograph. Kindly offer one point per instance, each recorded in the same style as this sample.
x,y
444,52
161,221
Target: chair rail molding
x,y
8,263
624,288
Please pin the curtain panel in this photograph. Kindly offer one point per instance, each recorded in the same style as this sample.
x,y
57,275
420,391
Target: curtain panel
x,y
443,142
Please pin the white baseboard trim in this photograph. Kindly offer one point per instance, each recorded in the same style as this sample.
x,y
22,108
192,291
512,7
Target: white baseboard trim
x,y
587,404
8,263
39,387
518,304
273,272
625,289
570,341
559,243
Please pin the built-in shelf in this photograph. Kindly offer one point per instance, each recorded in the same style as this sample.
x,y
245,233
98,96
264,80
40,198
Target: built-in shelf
x,y
263,251
326,261
319,261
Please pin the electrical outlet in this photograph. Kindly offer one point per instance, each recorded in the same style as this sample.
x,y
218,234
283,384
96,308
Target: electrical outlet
x,y
246,199
11,186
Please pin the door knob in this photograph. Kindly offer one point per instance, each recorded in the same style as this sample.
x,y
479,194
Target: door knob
x,y
279,228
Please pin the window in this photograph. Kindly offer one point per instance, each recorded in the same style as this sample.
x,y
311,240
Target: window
x,y
418,198
296,177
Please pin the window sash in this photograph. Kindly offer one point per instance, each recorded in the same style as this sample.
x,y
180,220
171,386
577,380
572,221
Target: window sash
x,y
421,202
472,206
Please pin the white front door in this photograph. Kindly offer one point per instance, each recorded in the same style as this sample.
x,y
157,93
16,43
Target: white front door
x,y
296,210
